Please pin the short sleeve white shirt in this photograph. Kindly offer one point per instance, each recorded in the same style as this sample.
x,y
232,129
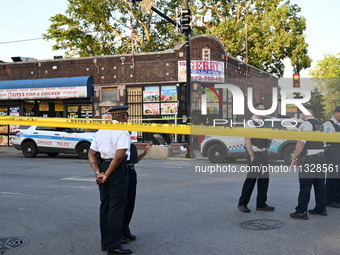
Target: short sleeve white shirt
x,y
328,126
106,142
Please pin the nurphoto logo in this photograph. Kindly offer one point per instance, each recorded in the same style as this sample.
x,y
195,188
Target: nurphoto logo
x,y
238,100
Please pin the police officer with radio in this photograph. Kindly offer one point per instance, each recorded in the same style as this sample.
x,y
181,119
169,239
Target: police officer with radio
x,y
131,198
333,160
107,156
257,156
311,155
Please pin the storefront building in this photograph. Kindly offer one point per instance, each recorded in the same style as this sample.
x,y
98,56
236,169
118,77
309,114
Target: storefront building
x,y
152,84
56,97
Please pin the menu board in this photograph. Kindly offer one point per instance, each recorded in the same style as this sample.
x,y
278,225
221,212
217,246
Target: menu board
x,y
3,139
151,96
59,107
151,109
5,130
3,111
14,112
28,109
43,107
169,95
72,111
168,108
86,111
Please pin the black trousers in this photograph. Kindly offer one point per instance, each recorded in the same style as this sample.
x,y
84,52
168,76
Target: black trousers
x,y
308,177
113,195
333,176
131,198
259,176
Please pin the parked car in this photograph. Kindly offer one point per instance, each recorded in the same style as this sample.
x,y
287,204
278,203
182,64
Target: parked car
x,y
220,149
52,141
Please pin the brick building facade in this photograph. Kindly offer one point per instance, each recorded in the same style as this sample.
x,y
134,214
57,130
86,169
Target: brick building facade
x,y
140,80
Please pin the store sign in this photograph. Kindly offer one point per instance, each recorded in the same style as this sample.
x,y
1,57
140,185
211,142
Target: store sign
x,y
43,93
207,71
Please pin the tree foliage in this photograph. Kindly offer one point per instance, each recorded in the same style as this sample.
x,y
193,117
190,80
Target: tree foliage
x,y
318,100
106,26
259,32
326,74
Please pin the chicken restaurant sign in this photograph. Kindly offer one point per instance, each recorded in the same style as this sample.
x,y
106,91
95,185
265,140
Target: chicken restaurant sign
x,y
43,93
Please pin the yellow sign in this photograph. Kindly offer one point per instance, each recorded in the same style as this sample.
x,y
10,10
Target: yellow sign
x,y
58,107
43,106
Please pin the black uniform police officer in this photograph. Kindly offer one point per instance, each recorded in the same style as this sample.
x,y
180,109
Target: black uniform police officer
x,y
311,155
111,147
131,198
257,156
333,161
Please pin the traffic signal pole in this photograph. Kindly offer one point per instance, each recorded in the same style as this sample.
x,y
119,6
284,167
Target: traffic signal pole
x,y
185,28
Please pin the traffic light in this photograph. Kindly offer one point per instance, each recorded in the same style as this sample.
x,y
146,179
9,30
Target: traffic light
x,y
185,21
296,80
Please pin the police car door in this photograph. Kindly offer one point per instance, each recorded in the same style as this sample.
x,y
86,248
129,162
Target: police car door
x,y
43,136
63,138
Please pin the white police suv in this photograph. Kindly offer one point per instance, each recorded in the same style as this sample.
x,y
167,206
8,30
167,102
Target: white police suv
x,y
52,141
220,149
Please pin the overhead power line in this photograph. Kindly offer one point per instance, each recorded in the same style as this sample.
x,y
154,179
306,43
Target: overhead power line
x,y
51,37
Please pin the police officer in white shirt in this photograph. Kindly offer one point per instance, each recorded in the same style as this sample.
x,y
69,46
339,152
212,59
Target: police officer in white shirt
x,y
107,157
333,160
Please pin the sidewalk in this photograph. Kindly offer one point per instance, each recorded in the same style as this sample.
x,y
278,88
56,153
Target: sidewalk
x,y
177,155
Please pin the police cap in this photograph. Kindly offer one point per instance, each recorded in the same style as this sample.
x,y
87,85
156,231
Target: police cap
x,y
119,109
310,107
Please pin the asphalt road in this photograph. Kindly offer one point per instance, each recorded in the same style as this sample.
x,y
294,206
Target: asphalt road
x,y
54,204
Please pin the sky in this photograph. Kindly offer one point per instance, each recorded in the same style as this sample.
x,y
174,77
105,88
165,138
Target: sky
x,y
22,20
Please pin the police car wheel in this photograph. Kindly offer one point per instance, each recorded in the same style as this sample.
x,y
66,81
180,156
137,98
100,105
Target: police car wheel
x,y
82,150
216,154
29,149
287,153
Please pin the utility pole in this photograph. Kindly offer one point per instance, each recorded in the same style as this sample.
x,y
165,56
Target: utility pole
x,y
185,28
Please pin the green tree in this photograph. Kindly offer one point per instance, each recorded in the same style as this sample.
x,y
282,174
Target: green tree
x,y
326,74
318,100
106,27
261,33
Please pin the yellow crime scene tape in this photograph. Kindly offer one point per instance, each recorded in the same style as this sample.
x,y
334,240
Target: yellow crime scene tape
x,y
172,129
